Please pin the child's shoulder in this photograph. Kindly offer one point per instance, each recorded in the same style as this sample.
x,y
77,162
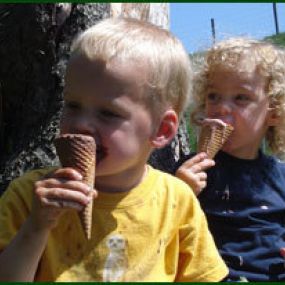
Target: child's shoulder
x,y
275,162
280,166
20,190
33,175
171,184
274,168
175,194
27,180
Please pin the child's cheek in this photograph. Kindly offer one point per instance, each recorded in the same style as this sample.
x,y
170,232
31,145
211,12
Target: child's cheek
x,y
64,126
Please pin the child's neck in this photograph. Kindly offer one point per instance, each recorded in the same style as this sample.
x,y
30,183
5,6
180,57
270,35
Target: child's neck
x,y
122,182
249,155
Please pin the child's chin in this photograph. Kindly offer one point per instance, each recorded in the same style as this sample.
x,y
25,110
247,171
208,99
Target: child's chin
x,y
227,148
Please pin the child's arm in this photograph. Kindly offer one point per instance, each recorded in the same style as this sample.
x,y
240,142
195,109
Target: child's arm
x,y
19,261
193,171
52,195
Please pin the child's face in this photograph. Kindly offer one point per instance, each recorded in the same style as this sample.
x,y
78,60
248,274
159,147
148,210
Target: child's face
x,y
240,99
104,102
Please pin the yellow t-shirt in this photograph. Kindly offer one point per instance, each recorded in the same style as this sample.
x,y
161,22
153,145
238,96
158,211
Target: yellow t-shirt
x,y
155,232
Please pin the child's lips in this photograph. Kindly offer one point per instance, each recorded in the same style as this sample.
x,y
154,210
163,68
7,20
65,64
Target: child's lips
x,y
227,120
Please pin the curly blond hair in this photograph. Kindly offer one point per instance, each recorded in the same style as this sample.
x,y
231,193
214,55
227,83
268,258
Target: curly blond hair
x,y
243,54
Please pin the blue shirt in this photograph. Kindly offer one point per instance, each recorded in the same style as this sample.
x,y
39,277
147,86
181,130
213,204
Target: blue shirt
x,y
244,202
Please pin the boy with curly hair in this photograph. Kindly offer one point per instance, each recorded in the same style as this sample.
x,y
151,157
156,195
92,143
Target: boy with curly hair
x,y
242,190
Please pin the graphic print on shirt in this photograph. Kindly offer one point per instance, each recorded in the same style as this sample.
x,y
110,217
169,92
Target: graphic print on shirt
x,y
151,255
226,194
116,263
226,198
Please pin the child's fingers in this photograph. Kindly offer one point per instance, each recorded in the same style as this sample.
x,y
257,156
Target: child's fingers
x,y
198,163
48,195
65,205
197,181
64,183
94,193
202,176
67,173
195,159
186,176
200,188
49,191
49,202
203,165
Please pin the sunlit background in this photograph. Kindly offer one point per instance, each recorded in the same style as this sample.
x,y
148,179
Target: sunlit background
x,y
191,22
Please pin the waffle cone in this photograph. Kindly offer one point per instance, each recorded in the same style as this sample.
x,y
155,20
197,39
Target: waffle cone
x,y
214,133
79,152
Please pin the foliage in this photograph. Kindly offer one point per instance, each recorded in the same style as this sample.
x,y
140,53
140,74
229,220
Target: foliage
x,y
277,39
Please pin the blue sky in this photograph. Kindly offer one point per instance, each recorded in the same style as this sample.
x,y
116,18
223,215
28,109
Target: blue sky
x,y
191,22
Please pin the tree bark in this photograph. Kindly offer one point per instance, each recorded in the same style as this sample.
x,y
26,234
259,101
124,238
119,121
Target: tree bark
x,y
34,48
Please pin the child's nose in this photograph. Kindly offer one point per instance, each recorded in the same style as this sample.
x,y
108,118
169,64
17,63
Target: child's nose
x,y
225,107
84,125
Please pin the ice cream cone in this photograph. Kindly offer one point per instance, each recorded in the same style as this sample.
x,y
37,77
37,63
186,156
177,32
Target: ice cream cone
x,y
79,152
214,133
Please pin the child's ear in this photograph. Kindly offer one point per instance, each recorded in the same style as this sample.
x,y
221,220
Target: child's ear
x,y
273,118
166,130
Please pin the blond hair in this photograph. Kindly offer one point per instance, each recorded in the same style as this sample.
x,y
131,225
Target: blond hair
x,y
168,64
242,54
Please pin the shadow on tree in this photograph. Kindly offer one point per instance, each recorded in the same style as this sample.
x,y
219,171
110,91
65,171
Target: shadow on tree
x,y
34,48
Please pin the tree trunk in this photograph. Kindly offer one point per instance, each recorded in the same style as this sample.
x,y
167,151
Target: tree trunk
x,y
34,48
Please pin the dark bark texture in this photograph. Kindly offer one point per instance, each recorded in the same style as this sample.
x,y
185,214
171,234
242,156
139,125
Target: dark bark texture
x,y
34,48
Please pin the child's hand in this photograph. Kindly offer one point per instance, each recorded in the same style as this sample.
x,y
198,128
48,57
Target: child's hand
x,y
60,190
193,171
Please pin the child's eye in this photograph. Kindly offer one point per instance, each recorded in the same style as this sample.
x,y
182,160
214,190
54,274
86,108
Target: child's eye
x,y
213,98
242,98
109,114
72,105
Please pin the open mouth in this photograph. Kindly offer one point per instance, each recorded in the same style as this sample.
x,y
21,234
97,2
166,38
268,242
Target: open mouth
x,y
101,153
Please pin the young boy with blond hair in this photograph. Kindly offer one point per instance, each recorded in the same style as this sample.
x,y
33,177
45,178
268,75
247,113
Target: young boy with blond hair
x,y
127,82
242,83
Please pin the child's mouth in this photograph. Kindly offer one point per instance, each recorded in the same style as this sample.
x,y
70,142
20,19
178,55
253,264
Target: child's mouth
x,y
101,153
